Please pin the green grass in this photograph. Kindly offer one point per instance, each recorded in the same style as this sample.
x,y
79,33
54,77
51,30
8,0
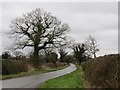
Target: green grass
x,y
72,80
32,72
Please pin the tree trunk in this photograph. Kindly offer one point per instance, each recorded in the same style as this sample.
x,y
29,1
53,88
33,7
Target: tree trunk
x,y
36,56
79,62
94,55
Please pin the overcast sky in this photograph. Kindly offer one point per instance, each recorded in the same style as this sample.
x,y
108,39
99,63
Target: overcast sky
x,y
99,19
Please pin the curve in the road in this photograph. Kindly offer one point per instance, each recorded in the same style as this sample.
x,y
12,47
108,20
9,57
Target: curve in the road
x,y
34,80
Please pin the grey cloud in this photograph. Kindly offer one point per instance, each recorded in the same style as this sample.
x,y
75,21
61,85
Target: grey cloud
x,y
96,18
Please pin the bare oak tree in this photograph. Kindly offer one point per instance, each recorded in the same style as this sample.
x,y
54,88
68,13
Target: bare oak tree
x,y
92,46
38,29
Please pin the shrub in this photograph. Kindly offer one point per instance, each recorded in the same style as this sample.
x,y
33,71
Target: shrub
x,y
9,68
103,71
53,58
22,66
6,55
13,67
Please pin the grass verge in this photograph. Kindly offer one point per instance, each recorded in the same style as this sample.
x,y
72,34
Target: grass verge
x,y
22,74
72,80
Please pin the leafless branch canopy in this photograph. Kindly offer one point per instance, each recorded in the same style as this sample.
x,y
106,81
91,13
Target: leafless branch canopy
x,y
38,28
92,45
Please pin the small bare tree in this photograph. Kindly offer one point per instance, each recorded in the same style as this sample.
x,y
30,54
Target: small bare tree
x,y
92,46
63,54
47,52
53,58
40,30
80,53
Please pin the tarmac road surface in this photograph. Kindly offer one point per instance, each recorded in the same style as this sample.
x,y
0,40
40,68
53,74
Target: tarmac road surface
x,y
34,81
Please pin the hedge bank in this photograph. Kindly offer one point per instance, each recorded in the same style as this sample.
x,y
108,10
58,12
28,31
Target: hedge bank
x,y
103,72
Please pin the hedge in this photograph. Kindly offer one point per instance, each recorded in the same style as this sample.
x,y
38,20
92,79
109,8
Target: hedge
x,y
13,67
103,71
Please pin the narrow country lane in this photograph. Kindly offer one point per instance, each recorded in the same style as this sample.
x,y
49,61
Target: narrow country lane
x,y
34,80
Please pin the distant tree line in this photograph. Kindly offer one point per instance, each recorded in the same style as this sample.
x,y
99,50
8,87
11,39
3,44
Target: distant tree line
x,y
17,55
81,53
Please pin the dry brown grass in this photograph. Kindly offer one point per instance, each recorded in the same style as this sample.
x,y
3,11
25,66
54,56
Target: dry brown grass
x,y
51,65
